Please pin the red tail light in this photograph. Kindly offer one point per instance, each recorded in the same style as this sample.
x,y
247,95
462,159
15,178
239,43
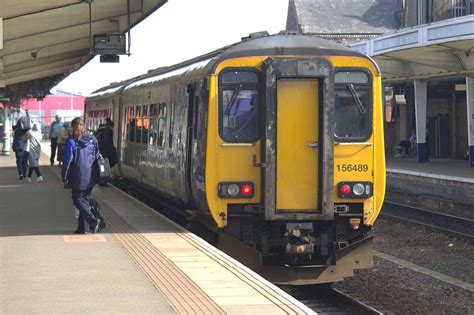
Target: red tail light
x,y
246,190
345,189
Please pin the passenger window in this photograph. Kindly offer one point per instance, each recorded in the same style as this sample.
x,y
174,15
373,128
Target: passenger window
x,y
171,123
161,125
353,106
153,131
239,106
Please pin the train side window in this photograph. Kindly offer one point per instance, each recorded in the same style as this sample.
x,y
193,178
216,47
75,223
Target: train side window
x,y
153,110
153,131
161,124
353,105
171,123
239,105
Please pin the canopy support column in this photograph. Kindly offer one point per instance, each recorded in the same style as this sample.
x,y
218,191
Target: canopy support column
x,y
470,116
421,90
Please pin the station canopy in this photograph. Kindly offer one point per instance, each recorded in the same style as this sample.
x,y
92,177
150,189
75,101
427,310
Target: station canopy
x,y
44,41
434,50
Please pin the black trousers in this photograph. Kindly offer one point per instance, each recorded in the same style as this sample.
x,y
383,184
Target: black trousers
x,y
21,162
54,145
80,199
36,169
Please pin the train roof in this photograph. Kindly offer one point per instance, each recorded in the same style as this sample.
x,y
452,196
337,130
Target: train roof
x,y
256,44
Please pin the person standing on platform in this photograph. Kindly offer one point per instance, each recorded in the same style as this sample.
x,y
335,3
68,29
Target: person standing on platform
x,y
62,137
53,135
105,136
34,139
20,142
427,140
79,172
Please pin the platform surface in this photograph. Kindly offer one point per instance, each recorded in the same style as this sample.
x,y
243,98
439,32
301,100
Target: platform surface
x,y
447,169
142,263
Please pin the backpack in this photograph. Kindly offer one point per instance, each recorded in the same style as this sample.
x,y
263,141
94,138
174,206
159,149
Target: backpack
x,y
25,123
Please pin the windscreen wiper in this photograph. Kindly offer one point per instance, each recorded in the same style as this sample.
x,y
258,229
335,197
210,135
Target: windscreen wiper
x,y
360,106
232,99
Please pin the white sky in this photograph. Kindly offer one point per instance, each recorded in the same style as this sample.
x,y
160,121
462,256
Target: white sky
x,y
180,30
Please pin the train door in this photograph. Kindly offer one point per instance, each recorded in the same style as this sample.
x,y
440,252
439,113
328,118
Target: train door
x,y
297,139
193,103
297,145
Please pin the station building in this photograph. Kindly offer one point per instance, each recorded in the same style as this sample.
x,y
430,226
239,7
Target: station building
x,y
425,50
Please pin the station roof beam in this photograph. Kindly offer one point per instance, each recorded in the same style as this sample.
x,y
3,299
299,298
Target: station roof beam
x,y
444,48
49,39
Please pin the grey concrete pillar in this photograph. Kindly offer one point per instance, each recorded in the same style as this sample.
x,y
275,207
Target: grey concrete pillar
x,y
421,90
470,117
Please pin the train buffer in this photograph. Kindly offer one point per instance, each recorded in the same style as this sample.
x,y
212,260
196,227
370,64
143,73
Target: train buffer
x,y
141,264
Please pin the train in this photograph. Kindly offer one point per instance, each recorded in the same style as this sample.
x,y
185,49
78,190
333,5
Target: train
x,y
274,143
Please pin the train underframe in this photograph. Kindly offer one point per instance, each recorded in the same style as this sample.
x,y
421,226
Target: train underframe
x,y
298,253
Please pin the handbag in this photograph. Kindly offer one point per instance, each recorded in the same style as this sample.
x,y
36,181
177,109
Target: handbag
x,y
103,166
104,170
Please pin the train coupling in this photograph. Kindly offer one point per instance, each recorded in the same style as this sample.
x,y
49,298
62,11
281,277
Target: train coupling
x,y
299,239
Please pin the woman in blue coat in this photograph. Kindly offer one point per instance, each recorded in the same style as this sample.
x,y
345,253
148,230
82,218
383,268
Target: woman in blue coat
x,y
79,172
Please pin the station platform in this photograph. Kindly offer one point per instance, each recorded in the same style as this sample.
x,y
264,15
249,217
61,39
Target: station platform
x,y
142,263
442,184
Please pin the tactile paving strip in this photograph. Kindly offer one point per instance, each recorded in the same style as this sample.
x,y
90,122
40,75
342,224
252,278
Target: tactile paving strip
x,y
273,296
184,295
277,297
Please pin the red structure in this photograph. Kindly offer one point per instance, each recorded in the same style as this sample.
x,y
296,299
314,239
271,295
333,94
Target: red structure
x,y
67,105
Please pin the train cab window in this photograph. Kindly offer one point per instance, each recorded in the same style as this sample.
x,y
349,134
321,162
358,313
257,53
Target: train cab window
x,y
238,108
353,105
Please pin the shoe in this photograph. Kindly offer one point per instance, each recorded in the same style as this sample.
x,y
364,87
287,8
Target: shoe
x,y
95,226
28,179
21,177
80,232
39,180
102,226
398,155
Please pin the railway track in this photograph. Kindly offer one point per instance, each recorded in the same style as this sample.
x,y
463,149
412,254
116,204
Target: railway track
x,y
447,223
326,300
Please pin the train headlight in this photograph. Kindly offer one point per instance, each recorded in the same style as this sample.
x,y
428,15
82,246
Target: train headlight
x,y
235,190
358,189
355,189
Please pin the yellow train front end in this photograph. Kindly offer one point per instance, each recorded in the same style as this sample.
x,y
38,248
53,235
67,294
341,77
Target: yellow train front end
x,y
295,167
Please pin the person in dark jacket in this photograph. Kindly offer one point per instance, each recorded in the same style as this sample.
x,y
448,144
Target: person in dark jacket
x,y
105,136
79,172
20,140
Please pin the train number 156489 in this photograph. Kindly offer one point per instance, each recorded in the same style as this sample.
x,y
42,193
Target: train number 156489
x,y
352,167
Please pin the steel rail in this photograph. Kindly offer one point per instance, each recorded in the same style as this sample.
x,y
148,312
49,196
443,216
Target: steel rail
x,y
418,216
327,300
